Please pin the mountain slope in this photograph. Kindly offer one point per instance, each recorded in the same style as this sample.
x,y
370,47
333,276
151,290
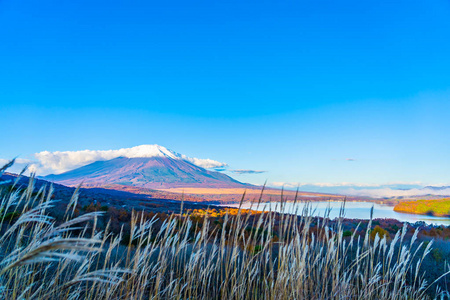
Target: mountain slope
x,y
157,172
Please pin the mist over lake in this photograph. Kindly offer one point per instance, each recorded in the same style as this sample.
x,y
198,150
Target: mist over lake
x,y
353,210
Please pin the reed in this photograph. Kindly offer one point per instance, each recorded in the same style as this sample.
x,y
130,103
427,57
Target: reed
x,y
283,257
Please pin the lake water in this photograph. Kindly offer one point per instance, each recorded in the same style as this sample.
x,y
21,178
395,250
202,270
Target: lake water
x,y
353,210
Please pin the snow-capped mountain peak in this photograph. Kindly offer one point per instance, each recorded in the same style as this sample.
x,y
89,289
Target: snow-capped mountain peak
x,y
148,151
62,161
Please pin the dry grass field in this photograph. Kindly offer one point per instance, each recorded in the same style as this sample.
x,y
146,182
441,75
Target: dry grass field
x,y
246,255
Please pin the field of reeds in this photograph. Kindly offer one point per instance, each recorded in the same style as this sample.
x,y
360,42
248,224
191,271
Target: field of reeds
x,y
247,256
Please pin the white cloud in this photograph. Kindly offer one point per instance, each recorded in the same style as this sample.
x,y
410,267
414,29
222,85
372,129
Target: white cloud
x,y
19,165
388,193
323,184
346,184
385,190
17,161
284,184
61,161
240,172
204,163
340,184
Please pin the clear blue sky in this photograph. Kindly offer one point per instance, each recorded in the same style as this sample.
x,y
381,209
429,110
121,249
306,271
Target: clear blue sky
x,y
290,87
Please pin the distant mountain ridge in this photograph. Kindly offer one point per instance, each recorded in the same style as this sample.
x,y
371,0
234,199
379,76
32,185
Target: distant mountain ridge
x,y
436,188
163,170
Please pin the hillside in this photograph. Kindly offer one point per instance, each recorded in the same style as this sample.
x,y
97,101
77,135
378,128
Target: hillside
x,y
151,200
146,172
436,207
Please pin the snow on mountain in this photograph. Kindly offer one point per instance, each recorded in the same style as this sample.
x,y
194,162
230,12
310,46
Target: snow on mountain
x,y
147,151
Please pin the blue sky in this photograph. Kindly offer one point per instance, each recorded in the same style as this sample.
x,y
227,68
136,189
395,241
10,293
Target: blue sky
x,y
294,88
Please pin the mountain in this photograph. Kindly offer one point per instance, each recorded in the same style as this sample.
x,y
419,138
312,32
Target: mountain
x,y
437,188
158,168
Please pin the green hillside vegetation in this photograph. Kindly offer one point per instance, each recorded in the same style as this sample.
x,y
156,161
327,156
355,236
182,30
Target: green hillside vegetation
x,y
439,207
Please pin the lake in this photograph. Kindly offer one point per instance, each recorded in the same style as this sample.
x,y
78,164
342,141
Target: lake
x,y
353,210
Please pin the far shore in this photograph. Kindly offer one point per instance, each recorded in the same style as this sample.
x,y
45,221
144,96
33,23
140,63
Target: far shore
x,y
435,207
